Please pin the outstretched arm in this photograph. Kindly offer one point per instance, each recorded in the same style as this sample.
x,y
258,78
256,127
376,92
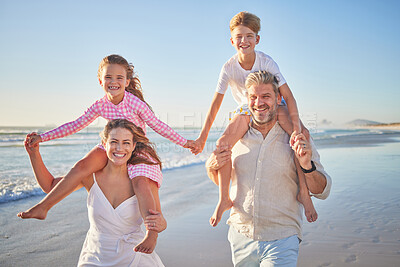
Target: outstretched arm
x,y
71,127
44,178
212,113
147,115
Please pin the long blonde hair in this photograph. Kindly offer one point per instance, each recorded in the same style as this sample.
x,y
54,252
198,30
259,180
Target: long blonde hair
x,y
144,151
134,86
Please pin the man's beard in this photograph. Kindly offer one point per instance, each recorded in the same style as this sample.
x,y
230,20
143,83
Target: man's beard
x,y
271,115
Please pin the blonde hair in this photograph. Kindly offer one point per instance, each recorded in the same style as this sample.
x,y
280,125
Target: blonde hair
x,y
144,151
262,77
247,19
134,86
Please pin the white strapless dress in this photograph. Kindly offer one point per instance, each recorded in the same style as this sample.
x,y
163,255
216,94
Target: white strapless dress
x,y
114,233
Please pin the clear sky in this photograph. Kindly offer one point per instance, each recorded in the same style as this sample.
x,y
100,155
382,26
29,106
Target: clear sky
x,y
340,58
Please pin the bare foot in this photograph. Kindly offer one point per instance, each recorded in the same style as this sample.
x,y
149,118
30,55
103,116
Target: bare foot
x,y
36,212
222,206
148,243
309,210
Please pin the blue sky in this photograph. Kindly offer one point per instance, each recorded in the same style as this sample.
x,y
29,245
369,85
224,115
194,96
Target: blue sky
x,y
340,58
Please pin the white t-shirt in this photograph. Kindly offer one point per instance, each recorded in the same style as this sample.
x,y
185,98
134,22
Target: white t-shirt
x,y
234,75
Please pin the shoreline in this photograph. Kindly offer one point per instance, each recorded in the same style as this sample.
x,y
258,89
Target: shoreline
x,y
357,224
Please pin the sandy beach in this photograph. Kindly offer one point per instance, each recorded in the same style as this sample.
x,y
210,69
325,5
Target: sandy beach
x,y
358,224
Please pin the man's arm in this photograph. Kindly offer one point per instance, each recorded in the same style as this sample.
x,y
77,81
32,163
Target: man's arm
x,y
317,181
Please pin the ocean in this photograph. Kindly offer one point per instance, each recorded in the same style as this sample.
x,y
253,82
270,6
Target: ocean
x,y
17,180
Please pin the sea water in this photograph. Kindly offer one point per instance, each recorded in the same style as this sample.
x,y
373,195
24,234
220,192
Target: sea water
x,y
17,179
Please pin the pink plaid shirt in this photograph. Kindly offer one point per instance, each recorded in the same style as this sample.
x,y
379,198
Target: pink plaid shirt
x,y
130,108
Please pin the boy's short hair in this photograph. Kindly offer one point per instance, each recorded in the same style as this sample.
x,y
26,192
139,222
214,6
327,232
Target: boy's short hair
x,y
247,19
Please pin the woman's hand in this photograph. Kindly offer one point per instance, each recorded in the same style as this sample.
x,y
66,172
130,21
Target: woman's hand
x,y
33,139
31,149
155,221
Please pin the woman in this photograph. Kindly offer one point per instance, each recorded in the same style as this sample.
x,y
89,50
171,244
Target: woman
x,y
113,208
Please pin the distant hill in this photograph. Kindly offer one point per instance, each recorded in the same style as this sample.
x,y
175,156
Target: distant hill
x,y
360,122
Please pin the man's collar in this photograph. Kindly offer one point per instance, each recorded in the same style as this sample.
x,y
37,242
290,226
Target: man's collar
x,y
260,129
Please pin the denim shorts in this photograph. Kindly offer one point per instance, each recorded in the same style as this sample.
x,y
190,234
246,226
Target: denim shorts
x,y
247,252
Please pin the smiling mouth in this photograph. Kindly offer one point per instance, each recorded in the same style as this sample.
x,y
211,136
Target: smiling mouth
x,y
119,155
260,109
113,88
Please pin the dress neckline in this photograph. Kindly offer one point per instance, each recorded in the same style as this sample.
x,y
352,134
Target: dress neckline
x,y
106,199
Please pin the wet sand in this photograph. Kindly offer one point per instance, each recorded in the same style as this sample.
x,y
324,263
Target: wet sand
x,y
358,224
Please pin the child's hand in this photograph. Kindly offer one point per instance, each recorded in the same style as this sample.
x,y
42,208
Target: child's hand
x,y
31,148
302,149
34,139
293,138
201,143
193,146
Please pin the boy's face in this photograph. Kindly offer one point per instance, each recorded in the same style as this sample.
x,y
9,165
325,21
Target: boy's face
x,y
244,40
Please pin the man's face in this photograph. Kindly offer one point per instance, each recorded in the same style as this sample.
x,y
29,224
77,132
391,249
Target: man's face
x,y
263,103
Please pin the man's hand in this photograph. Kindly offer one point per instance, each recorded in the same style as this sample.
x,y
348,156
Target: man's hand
x,y
218,158
302,150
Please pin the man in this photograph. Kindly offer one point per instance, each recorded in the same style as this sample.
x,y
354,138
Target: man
x,y
266,218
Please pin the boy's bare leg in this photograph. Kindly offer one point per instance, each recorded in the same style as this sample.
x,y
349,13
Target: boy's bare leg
x,y
303,196
94,161
144,188
235,130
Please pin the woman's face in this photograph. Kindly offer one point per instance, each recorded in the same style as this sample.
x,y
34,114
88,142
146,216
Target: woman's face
x,y
119,146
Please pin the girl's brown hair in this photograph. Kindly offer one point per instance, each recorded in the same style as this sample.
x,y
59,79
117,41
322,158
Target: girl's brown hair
x,y
144,151
134,86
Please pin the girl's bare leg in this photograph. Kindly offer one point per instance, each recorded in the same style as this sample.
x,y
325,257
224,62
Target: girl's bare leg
x,y
235,130
303,196
94,161
144,189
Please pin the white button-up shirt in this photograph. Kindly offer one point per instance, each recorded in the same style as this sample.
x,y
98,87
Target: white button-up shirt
x,y
265,186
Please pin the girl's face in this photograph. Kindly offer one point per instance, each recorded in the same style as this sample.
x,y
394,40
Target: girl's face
x,y
119,146
113,80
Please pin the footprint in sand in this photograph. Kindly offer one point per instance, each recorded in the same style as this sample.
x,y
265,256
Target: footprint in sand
x,y
349,245
351,258
326,264
376,239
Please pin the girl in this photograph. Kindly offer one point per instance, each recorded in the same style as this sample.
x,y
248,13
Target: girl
x,y
123,99
115,221
244,28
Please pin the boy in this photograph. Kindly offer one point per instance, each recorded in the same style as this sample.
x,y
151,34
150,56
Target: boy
x,y
244,28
